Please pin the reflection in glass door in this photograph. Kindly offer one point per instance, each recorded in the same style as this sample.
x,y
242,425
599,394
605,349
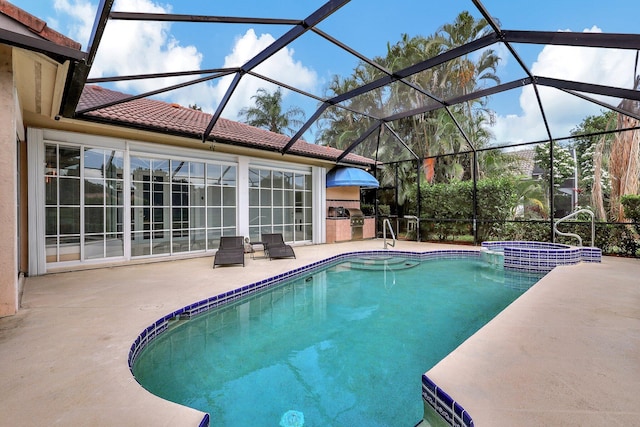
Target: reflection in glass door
x,y
280,202
175,205
180,206
103,235
83,203
150,206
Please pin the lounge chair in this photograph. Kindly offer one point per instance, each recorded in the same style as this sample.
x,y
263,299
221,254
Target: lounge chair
x,y
230,251
275,247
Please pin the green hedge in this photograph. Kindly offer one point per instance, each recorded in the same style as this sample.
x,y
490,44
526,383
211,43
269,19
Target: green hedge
x,y
453,203
447,215
631,204
613,239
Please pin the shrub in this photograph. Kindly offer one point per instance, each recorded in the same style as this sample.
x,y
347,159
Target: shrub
x,y
631,204
367,209
384,210
452,203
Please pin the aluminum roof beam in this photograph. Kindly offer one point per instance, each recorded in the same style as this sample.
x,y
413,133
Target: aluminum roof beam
x,y
357,142
396,136
172,17
565,38
151,93
160,75
604,104
312,20
614,92
399,75
80,71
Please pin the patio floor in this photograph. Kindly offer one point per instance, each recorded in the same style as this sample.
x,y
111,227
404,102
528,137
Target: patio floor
x,y
566,353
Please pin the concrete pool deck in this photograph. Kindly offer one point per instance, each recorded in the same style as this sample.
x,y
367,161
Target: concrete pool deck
x,y
566,353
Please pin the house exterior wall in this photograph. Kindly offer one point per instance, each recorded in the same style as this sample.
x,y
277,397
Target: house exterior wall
x,y
9,280
339,229
122,242
347,197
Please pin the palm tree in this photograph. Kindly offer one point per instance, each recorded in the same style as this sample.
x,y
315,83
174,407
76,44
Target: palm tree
x,y
434,133
267,113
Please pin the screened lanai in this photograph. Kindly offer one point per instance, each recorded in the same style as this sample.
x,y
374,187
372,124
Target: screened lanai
x,y
460,94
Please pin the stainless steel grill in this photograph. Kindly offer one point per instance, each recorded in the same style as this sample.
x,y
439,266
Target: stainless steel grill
x,y
356,219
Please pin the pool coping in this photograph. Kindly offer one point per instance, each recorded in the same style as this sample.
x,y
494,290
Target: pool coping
x,y
67,348
593,380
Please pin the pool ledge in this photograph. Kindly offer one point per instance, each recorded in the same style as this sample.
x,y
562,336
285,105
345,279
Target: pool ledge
x,y
567,352
67,349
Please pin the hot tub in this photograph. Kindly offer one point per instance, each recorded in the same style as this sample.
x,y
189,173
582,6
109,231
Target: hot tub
x,y
537,256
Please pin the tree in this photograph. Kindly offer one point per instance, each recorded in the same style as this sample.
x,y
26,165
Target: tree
x,y
436,132
589,151
563,164
563,169
267,113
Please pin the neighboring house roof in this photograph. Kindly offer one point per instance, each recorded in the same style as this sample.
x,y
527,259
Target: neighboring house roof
x,y
35,26
160,116
525,163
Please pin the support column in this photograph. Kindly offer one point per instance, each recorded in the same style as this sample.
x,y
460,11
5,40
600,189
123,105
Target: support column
x,y
8,188
242,204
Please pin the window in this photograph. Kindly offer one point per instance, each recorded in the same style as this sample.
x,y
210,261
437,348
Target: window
x,y
103,203
107,199
221,203
180,206
83,203
150,206
280,202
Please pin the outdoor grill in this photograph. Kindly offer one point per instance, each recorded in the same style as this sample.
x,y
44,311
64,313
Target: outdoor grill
x,y
356,219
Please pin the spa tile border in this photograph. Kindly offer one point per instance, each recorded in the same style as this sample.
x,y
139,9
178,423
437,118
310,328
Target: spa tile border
x,y
541,256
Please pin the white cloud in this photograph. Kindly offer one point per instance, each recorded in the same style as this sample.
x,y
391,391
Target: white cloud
x,y
130,47
82,14
281,66
608,67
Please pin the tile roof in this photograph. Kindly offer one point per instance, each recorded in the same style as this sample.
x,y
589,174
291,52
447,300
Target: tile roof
x,y
36,25
525,163
165,117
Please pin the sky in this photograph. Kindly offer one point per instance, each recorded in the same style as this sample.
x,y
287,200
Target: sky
x,y
367,26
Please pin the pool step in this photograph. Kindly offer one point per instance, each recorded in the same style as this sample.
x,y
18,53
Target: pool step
x,y
381,264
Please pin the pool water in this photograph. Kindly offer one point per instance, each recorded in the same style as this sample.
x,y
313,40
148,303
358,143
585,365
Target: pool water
x,y
345,346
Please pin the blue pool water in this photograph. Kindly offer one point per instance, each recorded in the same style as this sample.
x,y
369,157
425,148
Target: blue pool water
x,y
345,346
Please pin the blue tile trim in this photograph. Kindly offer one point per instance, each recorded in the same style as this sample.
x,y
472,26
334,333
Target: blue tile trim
x,y
448,409
540,256
162,324
205,421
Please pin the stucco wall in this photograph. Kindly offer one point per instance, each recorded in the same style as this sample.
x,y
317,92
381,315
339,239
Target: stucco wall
x,y
343,193
8,188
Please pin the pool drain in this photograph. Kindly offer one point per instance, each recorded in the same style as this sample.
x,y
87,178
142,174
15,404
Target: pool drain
x,y
292,419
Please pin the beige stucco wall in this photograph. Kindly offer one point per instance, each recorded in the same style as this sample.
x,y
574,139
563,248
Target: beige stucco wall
x,y
8,188
343,193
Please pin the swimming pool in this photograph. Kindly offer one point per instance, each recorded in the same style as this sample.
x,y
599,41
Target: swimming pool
x,y
345,345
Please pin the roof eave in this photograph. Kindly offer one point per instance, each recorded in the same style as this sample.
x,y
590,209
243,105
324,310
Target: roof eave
x,y
197,137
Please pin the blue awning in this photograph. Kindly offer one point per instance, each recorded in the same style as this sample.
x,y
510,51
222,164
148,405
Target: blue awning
x,y
345,177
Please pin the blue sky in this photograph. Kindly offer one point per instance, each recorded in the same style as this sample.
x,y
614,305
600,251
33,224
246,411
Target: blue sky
x,y
365,25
